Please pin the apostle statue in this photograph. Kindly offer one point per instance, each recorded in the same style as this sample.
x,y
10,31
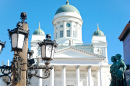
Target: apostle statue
x,y
117,71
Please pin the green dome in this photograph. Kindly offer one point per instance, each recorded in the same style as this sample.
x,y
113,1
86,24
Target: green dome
x,y
67,8
98,33
39,31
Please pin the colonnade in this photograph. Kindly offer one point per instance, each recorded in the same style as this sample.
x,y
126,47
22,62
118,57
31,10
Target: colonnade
x,y
88,73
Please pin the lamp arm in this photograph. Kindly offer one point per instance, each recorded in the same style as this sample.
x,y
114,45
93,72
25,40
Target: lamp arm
x,y
6,71
48,74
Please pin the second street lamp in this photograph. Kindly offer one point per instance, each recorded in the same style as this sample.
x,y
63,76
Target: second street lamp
x,y
47,52
47,49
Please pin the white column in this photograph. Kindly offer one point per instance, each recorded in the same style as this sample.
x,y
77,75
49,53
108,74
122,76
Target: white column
x,y
40,79
106,52
100,74
52,76
71,30
64,29
78,75
64,75
89,75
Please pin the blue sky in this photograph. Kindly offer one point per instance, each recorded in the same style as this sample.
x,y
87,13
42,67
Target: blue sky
x,y
112,16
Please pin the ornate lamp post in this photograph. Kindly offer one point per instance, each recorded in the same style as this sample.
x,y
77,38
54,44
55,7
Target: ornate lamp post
x,y
47,52
18,36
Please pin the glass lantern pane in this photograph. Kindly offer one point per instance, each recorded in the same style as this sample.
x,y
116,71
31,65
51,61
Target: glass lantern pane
x,y
48,51
43,51
0,47
52,53
21,40
14,40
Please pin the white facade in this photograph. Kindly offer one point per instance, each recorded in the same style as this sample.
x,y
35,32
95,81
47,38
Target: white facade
x,y
75,63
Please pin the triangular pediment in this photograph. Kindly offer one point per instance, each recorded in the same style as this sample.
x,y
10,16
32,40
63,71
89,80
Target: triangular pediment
x,y
73,53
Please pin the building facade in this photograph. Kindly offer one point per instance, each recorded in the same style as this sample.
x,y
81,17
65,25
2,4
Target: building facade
x,y
125,38
75,63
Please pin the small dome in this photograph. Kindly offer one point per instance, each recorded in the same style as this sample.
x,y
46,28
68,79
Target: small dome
x,y
98,32
67,8
39,31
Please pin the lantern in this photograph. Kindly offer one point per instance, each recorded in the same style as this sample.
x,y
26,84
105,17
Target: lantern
x,y
18,36
47,48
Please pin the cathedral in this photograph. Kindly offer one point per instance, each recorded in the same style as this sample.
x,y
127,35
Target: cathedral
x,y
75,63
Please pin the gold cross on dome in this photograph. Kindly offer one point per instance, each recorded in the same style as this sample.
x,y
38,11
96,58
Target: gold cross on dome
x,y
97,26
39,25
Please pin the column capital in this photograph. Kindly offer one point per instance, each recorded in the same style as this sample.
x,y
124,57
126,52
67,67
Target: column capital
x,y
71,21
52,66
63,66
89,66
100,67
64,20
77,66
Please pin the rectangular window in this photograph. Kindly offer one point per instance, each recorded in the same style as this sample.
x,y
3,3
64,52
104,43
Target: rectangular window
x,y
61,26
61,33
68,33
74,33
56,28
56,35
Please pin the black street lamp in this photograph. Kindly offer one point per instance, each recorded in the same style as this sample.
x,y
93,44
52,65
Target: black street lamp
x,y
47,52
18,36
47,49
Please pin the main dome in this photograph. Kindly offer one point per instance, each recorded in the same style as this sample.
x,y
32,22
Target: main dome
x,y
67,8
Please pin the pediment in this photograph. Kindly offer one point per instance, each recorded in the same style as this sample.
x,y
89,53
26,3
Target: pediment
x,y
74,53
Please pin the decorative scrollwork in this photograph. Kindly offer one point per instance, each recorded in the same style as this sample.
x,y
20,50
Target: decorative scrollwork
x,y
17,66
35,74
6,71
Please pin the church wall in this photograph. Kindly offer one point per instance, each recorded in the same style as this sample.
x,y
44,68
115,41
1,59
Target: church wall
x,y
126,47
106,77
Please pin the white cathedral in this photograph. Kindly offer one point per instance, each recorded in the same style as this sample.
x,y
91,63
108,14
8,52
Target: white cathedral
x,y
75,63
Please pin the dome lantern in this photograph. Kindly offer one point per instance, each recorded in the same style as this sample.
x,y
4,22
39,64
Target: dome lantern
x,y
98,32
39,31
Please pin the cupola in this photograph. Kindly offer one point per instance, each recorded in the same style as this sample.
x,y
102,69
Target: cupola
x,y
39,31
98,32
